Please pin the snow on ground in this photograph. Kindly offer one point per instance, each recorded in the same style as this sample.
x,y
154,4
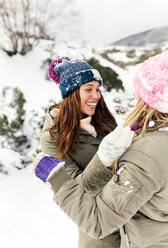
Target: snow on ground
x,y
8,157
29,217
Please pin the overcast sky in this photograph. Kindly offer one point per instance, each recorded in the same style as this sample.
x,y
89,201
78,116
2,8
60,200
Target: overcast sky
x,y
106,21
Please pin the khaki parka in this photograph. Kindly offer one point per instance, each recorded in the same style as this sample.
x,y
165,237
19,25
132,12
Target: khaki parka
x,y
91,177
134,200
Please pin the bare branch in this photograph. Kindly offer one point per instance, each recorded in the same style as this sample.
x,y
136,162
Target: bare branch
x,y
26,22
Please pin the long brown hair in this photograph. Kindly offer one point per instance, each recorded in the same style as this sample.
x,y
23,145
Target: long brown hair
x,y
67,122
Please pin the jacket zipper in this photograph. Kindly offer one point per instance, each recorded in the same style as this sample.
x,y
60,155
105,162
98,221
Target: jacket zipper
x,y
116,178
126,237
117,175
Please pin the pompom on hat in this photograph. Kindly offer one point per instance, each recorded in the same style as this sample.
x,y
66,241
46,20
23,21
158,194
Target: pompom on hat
x,y
70,75
151,82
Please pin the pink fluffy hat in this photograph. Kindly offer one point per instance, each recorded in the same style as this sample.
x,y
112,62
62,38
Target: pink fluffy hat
x,y
151,82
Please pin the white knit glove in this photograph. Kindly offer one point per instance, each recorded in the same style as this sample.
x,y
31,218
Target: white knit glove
x,y
115,144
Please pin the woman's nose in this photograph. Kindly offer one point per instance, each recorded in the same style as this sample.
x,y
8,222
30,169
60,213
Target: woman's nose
x,y
96,94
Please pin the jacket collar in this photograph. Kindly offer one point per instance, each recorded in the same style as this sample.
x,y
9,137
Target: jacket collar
x,y
84,135
161,129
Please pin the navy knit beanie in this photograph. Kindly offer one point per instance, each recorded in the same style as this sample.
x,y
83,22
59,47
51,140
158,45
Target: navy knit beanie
x,y
70,75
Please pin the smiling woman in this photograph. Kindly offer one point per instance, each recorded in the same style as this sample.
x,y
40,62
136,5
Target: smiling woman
x,y
74,128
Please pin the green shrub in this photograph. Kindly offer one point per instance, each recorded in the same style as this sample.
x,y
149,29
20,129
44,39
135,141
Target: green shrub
x,y
110,77
148,53
13,129
3,124
20,101
131,53
113,50
2,170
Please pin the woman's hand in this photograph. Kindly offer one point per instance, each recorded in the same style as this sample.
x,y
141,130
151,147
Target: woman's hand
x,y
115,144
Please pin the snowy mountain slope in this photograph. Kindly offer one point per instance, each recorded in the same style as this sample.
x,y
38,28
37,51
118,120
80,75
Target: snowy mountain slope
x,y
156,36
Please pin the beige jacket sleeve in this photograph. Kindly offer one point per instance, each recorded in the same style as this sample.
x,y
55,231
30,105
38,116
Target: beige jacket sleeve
x,y
48,146
139,177
95,176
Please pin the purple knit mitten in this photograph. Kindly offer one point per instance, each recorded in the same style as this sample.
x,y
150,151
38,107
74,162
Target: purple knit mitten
x,y
46,165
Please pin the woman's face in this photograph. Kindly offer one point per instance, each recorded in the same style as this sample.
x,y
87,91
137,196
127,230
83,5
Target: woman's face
x,y
89,95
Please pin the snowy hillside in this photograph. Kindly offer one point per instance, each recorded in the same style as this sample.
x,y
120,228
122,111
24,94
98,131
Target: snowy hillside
x,y
156,36
28,216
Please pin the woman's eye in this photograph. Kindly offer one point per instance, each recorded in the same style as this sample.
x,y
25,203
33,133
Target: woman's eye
x,y
89,90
